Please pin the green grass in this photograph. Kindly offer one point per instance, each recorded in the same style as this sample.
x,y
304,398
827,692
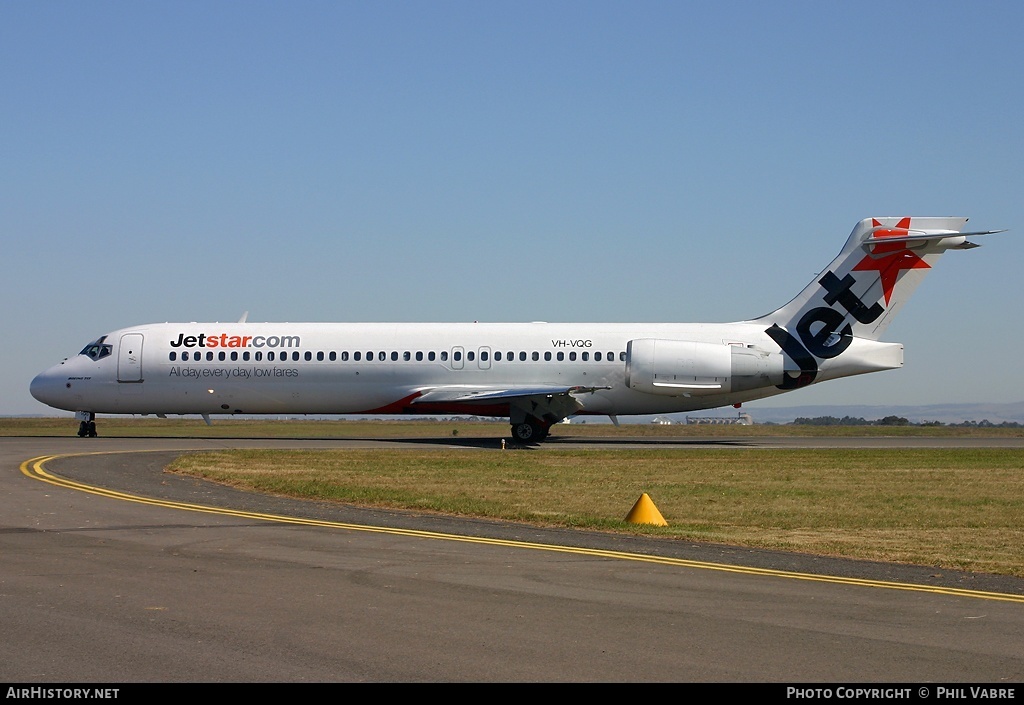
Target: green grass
x,y
952,508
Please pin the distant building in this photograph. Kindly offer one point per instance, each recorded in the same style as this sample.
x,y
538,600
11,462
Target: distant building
x,y
662,421
741,420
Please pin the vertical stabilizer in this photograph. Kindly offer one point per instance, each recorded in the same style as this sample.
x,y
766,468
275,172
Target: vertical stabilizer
x,y
881,264
857,295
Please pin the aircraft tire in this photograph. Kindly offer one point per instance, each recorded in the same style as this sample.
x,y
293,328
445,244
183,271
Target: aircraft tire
x,y
527,432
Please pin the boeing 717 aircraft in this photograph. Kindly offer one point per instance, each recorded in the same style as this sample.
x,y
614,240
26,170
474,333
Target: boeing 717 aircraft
x,y
535,374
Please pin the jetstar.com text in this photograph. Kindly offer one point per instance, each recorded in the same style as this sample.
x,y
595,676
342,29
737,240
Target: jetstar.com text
x,y
223,340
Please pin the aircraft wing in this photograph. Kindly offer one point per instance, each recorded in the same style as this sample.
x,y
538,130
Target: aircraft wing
x,y
552,401
464,394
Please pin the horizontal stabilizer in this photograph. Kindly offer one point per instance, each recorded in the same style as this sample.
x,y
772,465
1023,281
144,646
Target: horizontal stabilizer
x,y
921,237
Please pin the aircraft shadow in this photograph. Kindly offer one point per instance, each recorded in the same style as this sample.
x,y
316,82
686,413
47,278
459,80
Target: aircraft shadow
x,y
462,441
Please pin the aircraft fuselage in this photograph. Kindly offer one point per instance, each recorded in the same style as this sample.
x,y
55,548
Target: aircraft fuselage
x,y
373,368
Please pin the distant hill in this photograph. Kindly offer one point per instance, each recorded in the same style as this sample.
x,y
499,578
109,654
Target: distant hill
x,y
943,413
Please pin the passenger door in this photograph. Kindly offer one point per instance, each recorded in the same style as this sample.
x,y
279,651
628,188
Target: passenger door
x,y
129,358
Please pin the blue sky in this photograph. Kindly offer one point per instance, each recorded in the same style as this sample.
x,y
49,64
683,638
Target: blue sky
x,y
505,161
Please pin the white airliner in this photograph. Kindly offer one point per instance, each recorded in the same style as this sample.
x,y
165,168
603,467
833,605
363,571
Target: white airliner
x,y
535,374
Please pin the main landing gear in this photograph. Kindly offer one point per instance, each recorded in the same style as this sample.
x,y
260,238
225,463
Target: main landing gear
x,y
532,430
87,428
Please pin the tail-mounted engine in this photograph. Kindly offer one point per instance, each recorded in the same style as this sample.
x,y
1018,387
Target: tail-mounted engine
x,y
679,368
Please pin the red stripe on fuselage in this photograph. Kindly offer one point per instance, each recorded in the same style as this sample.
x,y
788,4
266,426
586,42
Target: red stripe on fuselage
x,y
405,406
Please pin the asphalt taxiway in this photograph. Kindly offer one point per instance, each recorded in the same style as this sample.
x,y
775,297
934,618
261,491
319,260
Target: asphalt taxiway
x,y
113,571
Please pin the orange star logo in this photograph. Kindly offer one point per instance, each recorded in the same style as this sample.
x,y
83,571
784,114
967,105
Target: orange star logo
x,y
889,259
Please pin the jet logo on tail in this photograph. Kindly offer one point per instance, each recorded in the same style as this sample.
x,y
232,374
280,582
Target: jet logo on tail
x,y
889,259
824,332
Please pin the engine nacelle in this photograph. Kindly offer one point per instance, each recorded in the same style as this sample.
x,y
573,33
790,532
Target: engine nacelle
x,y
679,368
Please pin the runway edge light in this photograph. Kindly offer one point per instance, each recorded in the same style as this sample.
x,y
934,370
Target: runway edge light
x,y
644,512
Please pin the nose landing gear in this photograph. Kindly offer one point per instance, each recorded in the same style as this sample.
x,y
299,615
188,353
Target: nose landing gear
x,y
87,428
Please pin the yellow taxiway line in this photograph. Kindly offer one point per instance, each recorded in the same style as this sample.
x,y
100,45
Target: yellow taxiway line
x,y
34,468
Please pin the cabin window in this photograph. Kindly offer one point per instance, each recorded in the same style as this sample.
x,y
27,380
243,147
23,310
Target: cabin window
x,y
357,356
560,356
444,356
585,356
344,355
173,356
259,356
320,356
457,355
535,356
470,356
419,356
522,356
597,357
245,355
483,356
184,355
394,356
572,356
622,356
333,356
431,356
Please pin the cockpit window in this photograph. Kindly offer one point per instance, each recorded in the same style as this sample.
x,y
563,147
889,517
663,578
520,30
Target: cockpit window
x,y
97,350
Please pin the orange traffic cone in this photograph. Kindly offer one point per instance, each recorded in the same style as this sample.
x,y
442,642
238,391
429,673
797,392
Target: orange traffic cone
x,y
644,512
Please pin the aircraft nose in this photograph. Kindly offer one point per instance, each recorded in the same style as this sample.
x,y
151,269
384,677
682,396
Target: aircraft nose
x,y
46,387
